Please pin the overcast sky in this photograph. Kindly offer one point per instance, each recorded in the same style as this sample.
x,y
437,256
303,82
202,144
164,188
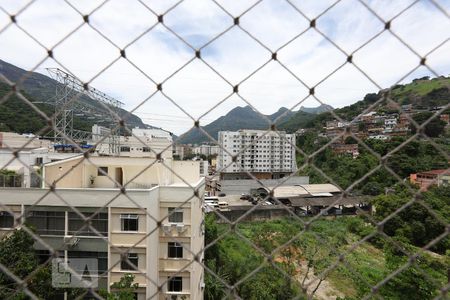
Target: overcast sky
x,y
196,88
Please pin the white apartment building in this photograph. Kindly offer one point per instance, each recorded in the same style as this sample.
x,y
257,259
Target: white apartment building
x,y
267,155
126,229
141,143
146,143
206,150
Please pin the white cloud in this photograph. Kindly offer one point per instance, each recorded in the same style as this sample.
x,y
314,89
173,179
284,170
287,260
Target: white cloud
x,y
235,55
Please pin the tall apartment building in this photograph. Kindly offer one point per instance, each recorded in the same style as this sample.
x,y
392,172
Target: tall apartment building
x,y
206,150
266,155
123,234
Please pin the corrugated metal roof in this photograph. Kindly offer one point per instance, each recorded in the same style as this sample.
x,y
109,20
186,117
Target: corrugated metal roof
x,y
320,188
316,190
289,191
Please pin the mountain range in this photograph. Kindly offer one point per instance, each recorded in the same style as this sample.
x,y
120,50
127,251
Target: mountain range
x,y
15,115
246,118
42,89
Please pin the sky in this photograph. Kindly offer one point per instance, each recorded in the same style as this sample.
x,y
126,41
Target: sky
x,y
232,55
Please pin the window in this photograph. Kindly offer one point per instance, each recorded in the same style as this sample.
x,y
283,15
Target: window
x,y
102,258
175,215
102,171
146,149
77,224
124,149
174,250
175,284
131,263
47,222
6,220
39,161
129,222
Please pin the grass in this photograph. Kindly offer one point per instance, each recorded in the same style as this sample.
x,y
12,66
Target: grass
x,y
421,87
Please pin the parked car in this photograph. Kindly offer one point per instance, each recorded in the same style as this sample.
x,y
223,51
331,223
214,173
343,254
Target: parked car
x,y
222,195
223,205
245,197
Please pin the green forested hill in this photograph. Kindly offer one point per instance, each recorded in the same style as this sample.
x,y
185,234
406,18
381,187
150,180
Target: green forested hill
x,y
18,116
42,89
422,93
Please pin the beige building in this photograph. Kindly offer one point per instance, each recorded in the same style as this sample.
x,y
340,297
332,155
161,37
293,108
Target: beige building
x,y
123,233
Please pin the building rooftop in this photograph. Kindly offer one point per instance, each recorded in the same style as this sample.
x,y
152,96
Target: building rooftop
x,y
436,172
303,190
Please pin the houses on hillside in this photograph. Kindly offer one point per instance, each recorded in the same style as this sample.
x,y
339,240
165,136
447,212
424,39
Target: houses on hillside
x,y
424,180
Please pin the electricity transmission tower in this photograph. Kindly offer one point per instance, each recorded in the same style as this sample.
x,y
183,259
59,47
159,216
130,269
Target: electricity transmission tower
x,y
71,97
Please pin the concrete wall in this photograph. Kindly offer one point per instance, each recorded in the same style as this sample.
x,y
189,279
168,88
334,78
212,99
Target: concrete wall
x,y
68,173
136,172
189,171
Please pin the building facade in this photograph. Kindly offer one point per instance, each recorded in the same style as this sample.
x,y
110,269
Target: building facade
x,y
427,179
207,150
123,233
266,155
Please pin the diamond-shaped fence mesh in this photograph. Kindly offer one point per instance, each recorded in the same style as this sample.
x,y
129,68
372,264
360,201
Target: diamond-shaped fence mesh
x,y
305,203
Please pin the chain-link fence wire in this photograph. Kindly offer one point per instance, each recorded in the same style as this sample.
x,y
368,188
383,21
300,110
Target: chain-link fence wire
x,y
306,289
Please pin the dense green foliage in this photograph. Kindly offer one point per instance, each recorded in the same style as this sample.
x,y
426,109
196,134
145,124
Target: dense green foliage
x,y
125,289
18,116
297,252
434,128
416,224
415,156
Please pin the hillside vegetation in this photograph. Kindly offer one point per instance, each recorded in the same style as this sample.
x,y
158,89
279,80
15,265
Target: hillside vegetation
x,y
41,88
298,252
422,93
18,116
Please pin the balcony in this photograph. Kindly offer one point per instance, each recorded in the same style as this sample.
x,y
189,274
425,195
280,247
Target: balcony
x,y
175,264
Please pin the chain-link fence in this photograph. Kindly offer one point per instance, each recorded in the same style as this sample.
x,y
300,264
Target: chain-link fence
x,y
351,203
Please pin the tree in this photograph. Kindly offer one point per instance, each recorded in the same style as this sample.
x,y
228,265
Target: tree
x,y
415,224
411,283
434,128
18,256
125,289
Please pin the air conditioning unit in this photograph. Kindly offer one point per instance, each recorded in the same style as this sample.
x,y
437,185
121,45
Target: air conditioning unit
x,y
181,228
167,228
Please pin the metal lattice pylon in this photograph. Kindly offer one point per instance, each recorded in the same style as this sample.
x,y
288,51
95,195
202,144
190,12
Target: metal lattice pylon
x,y
67,101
